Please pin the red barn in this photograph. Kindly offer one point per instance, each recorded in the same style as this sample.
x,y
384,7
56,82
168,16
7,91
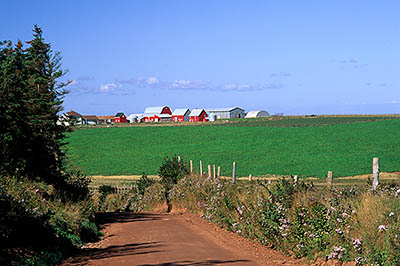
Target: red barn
x,y
120,118
198,115
158,110
180,115
157,114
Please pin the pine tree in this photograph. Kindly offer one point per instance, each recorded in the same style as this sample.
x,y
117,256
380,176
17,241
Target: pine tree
x,y
31,98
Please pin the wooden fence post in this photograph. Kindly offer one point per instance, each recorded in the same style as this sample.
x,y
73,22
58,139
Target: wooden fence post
x,y
191,166
214,173
330,177
219,172
201,168
295,179
250,177
234,173
209,171
375,171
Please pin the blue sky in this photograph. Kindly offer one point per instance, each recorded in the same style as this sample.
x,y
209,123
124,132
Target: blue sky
x,y
295,57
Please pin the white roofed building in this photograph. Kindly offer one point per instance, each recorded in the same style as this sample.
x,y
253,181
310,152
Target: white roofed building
x,y
180,115
256,114
158,110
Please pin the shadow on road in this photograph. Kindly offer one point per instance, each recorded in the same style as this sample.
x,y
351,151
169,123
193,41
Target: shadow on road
x,y
125,217
115,251
192,263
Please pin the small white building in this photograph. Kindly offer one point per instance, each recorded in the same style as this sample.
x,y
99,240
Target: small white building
x,y
256,114
226,113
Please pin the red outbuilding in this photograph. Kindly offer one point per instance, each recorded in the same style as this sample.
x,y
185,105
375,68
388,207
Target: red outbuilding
x,y
180,115
198,115
120,118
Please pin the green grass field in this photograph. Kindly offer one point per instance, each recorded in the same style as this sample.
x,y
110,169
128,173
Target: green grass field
x,y
303,146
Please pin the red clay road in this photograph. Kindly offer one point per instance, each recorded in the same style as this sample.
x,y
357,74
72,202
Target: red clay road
x,y
171,240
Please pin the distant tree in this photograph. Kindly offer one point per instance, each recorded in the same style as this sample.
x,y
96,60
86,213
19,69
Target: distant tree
x,y
30,100
171,170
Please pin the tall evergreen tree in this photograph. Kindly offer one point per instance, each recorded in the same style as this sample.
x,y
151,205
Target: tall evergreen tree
x,y
31,98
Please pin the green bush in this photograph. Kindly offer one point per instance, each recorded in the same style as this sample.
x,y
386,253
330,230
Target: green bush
x,y
60,225
171,170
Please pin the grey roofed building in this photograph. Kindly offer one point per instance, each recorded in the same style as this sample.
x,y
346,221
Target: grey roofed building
x,y
226,113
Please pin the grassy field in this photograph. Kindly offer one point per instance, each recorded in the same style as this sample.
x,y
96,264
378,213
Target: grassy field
x,y
303,146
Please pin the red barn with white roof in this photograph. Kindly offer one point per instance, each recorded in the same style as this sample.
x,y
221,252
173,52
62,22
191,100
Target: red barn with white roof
x,y
157,114
180,115
198,115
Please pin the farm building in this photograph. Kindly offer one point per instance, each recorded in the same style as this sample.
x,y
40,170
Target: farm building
x,y
180,115
120,118
198,115
89,120
255,114
226,113
158,110
74,117
157,118
157,114
106,119
135,118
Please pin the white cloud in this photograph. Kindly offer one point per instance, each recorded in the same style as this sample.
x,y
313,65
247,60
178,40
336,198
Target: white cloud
x,y
184,84
281,74
249,87
110,87
152,80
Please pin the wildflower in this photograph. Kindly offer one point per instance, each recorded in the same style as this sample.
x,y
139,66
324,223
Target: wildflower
x,y
339,220
359,261
391,214
382,228
357,244
338,231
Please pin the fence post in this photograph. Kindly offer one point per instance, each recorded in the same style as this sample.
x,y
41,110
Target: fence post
x,y
214,173
295,179
234,173
219,172
191,166
209,171
375,171
201,168
179,158
250,177
330,177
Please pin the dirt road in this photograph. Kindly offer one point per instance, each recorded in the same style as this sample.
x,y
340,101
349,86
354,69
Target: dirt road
x,y
172,240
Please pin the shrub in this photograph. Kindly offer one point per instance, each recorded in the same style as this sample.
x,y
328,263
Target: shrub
x,y
171,170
